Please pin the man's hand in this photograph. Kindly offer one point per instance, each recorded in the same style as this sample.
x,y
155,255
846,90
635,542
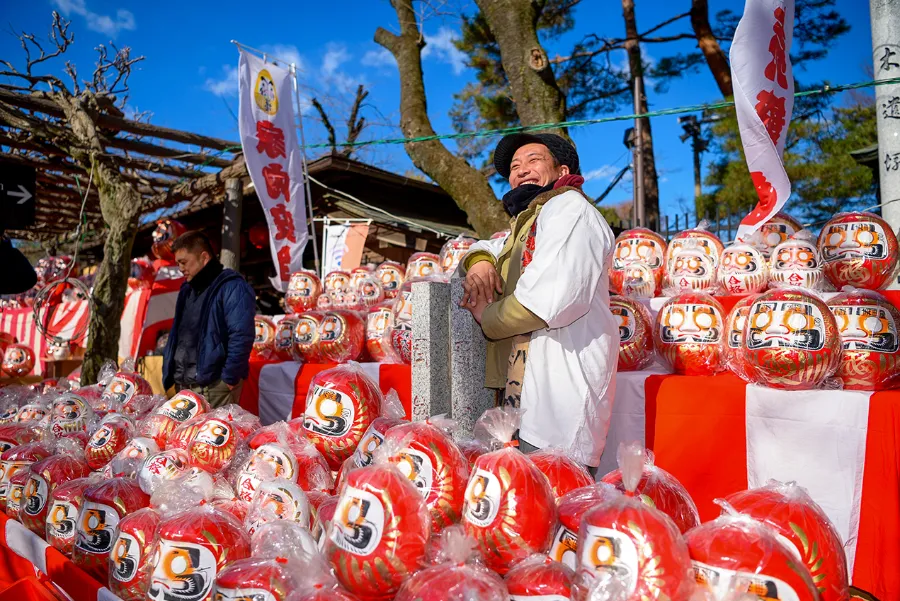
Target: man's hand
x,y
478,309
481,283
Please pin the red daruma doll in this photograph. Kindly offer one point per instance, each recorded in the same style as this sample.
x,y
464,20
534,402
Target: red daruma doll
x,y
132,550
379,323
45,476
392,414
341,404
563,473
110,438
509,509
62,516
180,408
264,338
342,336
870,345
15,460
379,532
571,508
689,334
635,333
259,579
858,249
793,514
306,336
303,291
628,550
541,579
738,550
733,349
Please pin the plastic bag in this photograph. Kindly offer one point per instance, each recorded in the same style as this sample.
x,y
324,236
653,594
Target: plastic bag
x,y
162,467
539,577
738,554
379,323
13,435
870,344
342,336
306,336
628,550
215,443
635,333
45,475
336,280
638,263
422,265
369,290
269,579
192,547
790,340
472,449
264,338
18,459
434,464
510,509
105,504
18,360
453,251
572,506
392,414
392,276
111,437
658,488
688,336
141,404
278,499
379,533
742,270
324,506
341,405
65,503
132,551
35,411
796,262
121,388
283,538
733,350
859,249
793,514
129,460
459,576
303,290
317,583
563,473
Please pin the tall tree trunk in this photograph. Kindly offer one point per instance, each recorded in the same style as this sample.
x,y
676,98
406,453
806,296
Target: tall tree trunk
x,y
534,89
709,45
636,66
466,185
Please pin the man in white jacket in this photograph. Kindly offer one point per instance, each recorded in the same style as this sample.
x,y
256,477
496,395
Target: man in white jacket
x,y
553,341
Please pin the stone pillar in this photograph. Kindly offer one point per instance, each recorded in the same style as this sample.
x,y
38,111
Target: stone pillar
x,y
231,223
885,15
430,350
468,349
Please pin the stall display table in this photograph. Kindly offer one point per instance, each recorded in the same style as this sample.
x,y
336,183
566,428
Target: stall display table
x,y
718,435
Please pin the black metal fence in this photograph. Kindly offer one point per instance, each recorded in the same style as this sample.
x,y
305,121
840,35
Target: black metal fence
x,y
724,225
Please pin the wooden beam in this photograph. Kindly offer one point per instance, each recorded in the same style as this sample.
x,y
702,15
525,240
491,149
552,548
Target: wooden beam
x,y
139,165
155,150
207,183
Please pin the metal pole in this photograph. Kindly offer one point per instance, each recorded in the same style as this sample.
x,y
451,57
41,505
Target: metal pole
x,y
638,153
231,223
698,190
312,227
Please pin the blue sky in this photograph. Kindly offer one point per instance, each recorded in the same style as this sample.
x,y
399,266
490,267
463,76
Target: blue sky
x,y
188,79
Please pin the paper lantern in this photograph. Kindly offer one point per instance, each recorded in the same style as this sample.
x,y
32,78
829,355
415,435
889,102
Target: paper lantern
x,y
423,265
697,238
303,290
45,476
738,549
860,250
689,334
793,514
540,578
453,251
791,340
510,509
257,579
306,336
733,350
214,445
379,533
572,506
18,360
264,337
18,459
62,516
437,468
690,270
379,323
563,473
284,339
121,389
623,537
659,489
164,236
130,559
192,548
392,276
278,500
161,467
336,280
795,262
635,333
341,405
638,263
105,504
258,234
867,323
742,270
776,230
110,438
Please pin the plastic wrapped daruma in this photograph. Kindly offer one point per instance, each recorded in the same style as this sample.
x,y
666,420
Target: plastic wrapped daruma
x,y
698,237
306,336
643,248
277,452
105,504
563,473
110,438
392,414
572,507
342,336
122,388
69,413
379,533
180,408
278,500
13,435
284,339
214,446
689,334
336,280
793,514
742,270
453,251
795,262
369,290
423,265
791,340
191,549
18,459
539,578
342,403
16,494
45,476
690,270
434,464
739,550
860,250
18,360
510,509
162,467
132,551
635,333
379,323
392,276
62,516
303,291
868,324
776,230
33,412
256,579
264,338
733,350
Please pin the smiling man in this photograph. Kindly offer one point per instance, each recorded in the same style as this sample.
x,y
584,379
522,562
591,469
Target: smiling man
x,y
209,346
541,295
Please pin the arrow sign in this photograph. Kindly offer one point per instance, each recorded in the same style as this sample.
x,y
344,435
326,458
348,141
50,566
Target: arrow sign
x,y
17,190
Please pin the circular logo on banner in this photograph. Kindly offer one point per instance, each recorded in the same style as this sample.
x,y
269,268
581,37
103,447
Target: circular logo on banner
x,y
264,93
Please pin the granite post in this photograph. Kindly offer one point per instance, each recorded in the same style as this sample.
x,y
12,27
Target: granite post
x,y
430,350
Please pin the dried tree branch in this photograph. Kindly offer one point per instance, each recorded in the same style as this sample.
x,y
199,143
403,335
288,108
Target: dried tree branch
x,y
326,122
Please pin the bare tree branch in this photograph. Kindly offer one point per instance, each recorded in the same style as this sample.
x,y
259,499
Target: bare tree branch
x,y
355,124
326,122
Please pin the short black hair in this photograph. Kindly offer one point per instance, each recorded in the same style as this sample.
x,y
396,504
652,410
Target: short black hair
x,y
195,242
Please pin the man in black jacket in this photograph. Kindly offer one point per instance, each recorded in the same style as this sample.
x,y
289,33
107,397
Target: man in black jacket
x,y
209,346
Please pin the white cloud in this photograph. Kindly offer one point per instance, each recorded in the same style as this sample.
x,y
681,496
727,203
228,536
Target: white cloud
x,y
378,58
105,24
227,85
602,172
288,53
440,46
331,73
